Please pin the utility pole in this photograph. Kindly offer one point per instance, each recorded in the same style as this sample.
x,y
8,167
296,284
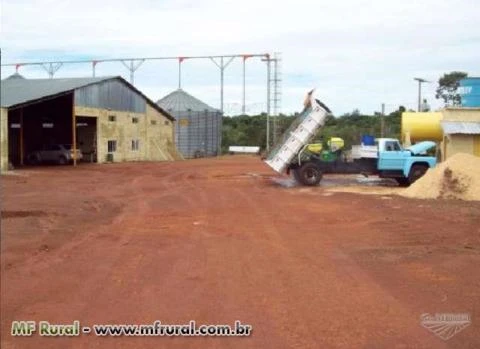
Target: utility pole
x,y
382,121
420,81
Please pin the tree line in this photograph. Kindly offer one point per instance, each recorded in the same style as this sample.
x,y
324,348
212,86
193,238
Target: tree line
x,y
247,130
251,130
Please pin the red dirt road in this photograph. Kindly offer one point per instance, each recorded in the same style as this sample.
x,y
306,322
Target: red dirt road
x,y
216,240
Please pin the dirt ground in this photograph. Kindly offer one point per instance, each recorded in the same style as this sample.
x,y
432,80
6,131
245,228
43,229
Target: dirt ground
x,y
219,240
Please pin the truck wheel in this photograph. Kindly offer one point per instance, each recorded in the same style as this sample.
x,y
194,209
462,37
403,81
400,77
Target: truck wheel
x,y
416,172
309,174
62,160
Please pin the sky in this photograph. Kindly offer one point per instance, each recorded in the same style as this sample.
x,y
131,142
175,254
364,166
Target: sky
x,y
357,54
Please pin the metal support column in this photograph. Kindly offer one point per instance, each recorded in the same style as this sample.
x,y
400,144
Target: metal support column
x,y
268,60
277,94
51,68
94,64
245,57
133,67
222,66
243,87
275,116
180,61
268,103
222,79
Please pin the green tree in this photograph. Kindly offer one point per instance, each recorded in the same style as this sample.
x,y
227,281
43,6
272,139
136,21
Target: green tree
x,y
447,87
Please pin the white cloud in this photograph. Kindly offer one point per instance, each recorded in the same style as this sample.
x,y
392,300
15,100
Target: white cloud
x,y
358,53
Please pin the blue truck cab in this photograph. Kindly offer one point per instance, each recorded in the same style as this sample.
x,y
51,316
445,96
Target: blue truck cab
x,y
405,165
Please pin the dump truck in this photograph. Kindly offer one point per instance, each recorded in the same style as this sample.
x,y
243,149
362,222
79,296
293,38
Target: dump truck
x,y
295,153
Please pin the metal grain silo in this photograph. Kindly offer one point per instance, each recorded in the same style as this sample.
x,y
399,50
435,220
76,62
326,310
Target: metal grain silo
x,y
198,130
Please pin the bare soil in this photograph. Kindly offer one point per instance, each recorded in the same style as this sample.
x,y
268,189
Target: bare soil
x,y
219,240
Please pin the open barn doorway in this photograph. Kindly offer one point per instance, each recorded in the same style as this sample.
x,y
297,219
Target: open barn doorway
x,y
87,137
43,127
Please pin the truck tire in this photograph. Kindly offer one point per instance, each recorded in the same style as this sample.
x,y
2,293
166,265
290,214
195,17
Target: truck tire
x,y
416,171
309,174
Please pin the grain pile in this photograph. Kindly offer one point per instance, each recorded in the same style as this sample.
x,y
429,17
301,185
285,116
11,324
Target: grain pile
x,y
456,178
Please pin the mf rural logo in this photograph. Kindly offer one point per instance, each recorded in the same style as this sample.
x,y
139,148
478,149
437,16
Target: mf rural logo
x,y
445,325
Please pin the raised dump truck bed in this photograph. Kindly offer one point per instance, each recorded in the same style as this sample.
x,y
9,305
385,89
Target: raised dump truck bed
x,y
298,135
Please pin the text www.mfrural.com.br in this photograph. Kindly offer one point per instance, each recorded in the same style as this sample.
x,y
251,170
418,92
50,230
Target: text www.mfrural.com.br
x,y
47,329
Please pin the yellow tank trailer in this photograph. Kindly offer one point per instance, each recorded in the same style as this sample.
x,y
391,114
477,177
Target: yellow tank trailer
x,y
418,127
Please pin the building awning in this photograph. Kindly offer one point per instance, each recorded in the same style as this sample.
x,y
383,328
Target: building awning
x,y
460,127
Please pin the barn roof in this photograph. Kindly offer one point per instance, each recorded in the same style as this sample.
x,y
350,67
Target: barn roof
x,y
17,92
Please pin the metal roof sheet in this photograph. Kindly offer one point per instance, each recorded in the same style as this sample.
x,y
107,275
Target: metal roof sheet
x,y
179,101
18,91
464,127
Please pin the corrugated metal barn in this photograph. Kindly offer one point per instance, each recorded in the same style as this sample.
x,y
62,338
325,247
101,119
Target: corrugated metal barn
x,y
198,131
107,118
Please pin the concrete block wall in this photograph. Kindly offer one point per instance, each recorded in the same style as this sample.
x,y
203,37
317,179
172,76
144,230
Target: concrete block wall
x,y
160,135
458,143
153,137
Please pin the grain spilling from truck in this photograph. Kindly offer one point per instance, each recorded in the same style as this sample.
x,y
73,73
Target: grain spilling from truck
x,y
456,178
